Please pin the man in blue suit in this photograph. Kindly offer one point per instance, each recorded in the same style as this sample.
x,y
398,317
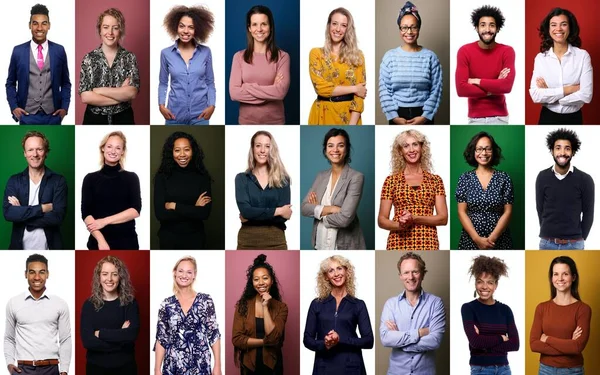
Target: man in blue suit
x,y
38,88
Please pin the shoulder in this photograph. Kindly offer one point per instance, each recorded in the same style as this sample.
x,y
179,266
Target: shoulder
x,y
132,176
239,55
580,52
204,297
584,307
544,306
91,176
433,298
467,48
316,52
465,175
355,175
583,175
468,306
241,177
283,55
434,177
503,175
56,46
504,307
545,173
87,305
169,300
279,305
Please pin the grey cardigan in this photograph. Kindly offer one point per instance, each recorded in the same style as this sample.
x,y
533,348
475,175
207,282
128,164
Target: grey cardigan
x,y
346,195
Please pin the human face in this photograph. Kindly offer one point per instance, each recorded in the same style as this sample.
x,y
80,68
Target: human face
x,y
261,280
336,274
39,26
411,33
487,30
186,30
113,150
261,149
185,274
562,279
110,31
109,278
411,276
336,149
182,152
36,275
411,150
337,27
484,151
562,153
259,27
34,152
559,29
486,285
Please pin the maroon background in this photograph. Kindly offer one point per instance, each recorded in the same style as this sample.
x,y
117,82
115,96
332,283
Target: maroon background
x,y
138,264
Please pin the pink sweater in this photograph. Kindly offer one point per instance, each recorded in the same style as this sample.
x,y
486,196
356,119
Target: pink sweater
x,y
261,101
487,99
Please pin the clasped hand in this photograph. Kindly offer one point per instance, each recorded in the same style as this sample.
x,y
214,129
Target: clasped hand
x,y
331,339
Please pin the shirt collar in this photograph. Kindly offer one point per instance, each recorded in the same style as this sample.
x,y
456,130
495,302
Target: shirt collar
x,y
403,295
28,295
175,45
569,51
571,170
347,297
44,45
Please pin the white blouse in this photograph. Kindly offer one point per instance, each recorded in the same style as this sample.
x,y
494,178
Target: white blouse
x,y
326,237
575,68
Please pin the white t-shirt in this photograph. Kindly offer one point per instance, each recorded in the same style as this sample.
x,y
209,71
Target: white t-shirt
x,y
36,239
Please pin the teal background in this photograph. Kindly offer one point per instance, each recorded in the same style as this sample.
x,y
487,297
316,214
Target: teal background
x,y
512,141
61,159
362,139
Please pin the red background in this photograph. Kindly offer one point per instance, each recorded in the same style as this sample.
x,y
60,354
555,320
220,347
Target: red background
x,y
286,265
137,41
138,264
586,13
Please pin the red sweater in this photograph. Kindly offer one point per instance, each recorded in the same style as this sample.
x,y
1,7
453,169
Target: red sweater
x,y
487,99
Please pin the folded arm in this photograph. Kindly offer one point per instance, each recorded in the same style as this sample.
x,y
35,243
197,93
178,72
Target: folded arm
x,y
237,91
586,86
498,86
437,327
463,87
124,335
88,338
275,91
55,217
347,213
277,327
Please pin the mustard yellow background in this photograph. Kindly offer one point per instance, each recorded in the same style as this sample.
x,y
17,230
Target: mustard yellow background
x,y
537,290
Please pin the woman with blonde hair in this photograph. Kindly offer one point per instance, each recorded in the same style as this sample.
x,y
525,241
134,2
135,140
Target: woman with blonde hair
x,y
263,196
191,312
332,320
110,199
414,191
338,74
110,320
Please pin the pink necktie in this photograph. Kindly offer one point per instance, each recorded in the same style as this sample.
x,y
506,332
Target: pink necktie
x,y
40,58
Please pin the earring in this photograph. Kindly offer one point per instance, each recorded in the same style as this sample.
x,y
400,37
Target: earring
x,y
475,293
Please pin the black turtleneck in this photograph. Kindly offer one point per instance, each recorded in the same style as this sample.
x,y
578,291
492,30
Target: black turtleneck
x,y
107,192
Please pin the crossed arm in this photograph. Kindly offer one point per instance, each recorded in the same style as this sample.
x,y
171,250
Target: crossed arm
x,y
549,345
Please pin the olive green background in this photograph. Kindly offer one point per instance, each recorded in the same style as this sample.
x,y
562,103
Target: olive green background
x,y
212,141
511,139
61,159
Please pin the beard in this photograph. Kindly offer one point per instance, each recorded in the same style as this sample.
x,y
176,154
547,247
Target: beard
x,y
565,164
492,40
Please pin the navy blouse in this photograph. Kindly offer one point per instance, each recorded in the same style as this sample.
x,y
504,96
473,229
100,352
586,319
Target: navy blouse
x,y
258,205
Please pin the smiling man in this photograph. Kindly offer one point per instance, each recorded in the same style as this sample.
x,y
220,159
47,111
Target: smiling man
x,y
37,339
564,196
413,323
38,87
35,200
485,69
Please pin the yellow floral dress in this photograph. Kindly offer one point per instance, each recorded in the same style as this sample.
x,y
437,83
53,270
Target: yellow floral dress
x,y
326,73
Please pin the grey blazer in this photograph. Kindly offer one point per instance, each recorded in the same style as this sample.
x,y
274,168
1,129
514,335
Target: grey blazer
x,y
346,195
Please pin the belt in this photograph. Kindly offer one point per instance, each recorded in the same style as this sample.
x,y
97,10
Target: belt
x,y
340,98
560,241
39,363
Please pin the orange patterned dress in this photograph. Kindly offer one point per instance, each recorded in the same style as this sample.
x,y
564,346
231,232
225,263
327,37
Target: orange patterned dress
x,y
418,201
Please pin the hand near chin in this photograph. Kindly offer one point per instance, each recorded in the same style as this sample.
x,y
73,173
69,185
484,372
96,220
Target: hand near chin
x,y
266,297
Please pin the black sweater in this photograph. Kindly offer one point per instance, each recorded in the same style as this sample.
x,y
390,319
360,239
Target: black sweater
x,y
560,204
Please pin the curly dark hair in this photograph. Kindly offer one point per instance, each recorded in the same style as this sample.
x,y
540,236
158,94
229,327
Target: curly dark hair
x,y
271,46
544,29
566,134
204,21
487,11
572,268
39,9
491,265
167,163
334,132
469,153
249,291
36,258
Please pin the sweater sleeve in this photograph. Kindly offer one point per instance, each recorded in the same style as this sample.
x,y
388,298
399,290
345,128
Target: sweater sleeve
x,y
135,196
311,341
587,204
276,91
196,212
366,340
502,85
476,340
386,92
432,103
237,92
124,335
512,345
88,338
161,213
569,346
87,196
463,87
539,196
535,334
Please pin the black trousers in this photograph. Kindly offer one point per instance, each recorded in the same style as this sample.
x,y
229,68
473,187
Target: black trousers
x,y
177,241
410,113
37,370
547,117
128,369
121,118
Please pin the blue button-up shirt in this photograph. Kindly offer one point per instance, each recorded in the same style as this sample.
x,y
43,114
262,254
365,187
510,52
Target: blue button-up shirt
x,y
192,84
412,354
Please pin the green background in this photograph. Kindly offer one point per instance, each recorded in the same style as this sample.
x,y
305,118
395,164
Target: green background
x,y
512,141
61,159
212,141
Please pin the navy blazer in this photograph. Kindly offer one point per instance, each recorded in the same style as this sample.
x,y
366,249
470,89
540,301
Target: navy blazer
x,y
17,83
53,189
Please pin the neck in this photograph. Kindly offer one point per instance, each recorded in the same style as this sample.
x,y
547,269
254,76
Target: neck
x,y
337,168
260,47
489,301
563,298
36,294
484,169
186,45
483,45
42,42
113,49
412,47
111,164
37,172
412,296
560,48
335,47
110,296
186,291
261,169
562,170
339,292
413,169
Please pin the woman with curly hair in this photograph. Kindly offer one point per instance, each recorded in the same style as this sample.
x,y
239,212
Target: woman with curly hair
x,y
260,74
332,320
259,322
188,66
182,194
337,72
192,313
562,79
110,320
111,199
414,192
561,326
489,324
263,196
485,197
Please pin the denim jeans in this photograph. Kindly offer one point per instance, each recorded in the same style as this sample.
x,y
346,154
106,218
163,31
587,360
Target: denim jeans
x,y
187,121
490,370
550,245
549,370
493,120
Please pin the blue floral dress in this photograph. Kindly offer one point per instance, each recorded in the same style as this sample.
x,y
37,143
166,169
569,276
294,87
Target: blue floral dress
x,y
187,339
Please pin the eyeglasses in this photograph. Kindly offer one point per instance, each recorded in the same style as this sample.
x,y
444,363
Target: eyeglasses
x,y
405,29
479,150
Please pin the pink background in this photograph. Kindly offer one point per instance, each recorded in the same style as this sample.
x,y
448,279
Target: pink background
x,y
137,41
286,265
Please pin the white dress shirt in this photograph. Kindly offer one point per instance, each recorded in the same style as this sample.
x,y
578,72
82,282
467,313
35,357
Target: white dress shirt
x,y
575,68
34,47
562,176
326,237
